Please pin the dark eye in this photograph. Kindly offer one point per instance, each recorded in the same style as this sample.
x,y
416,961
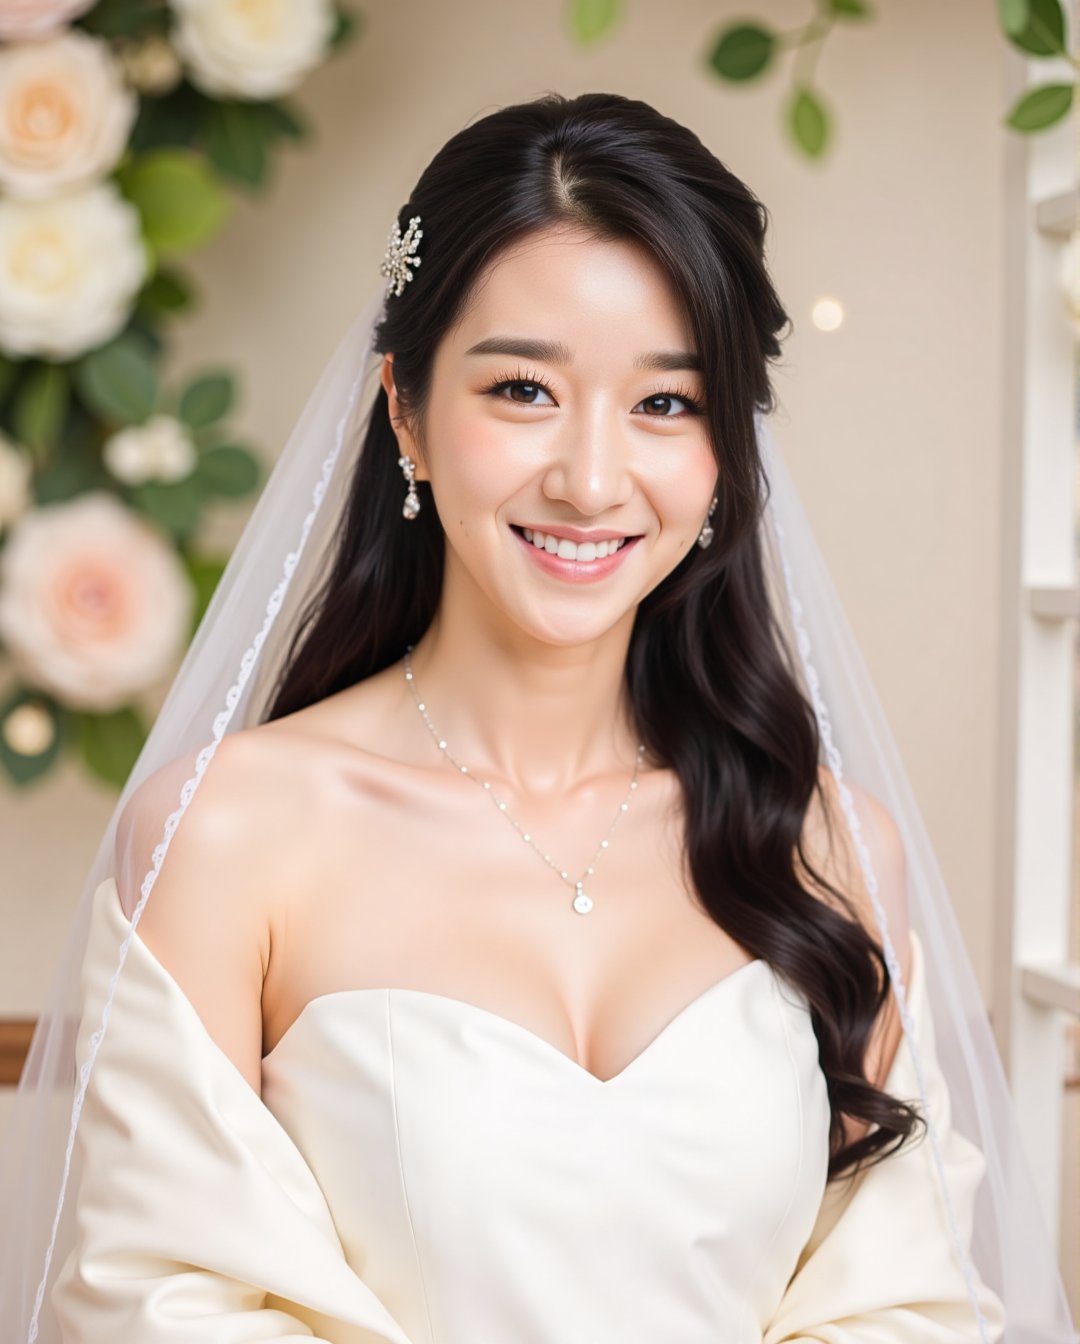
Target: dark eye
x,y
530,391
660,404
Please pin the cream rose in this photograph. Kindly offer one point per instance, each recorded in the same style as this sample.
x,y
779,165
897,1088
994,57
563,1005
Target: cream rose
x,y
151,64
69,271
15,475
31,18
159,450
65,114
95,606
28,729
251,48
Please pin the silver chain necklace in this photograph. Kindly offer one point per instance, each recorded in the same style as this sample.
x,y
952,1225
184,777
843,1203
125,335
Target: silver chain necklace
x,y
581,902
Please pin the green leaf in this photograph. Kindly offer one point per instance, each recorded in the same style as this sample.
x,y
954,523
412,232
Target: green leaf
x,y
125,18
206,399
176,506
1013,15
9,372
1044,32
850,9
167,293
144,329
119,381
236,140
808,122
23,769
592,19
109,744
742,51
169,119
205,573
181,202
40,407
69,475
1040,107
229,470
240,133
348,25
283,120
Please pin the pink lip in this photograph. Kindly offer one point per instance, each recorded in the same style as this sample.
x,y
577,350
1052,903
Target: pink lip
x,y
577,571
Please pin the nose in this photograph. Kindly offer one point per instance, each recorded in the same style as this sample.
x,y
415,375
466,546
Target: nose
x,y
589,469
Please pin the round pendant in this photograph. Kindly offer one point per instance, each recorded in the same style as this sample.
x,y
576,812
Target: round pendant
x,y
582,903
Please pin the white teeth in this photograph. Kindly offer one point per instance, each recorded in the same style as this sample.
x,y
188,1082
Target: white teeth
x,y
569,550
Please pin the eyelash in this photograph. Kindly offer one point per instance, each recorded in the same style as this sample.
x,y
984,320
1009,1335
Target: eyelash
x,y
511,379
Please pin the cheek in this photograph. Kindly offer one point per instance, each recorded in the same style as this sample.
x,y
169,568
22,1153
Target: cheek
x,y
477,469
682,498
706,476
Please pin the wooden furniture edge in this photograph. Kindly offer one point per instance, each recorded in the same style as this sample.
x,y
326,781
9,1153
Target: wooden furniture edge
x,y
15,1036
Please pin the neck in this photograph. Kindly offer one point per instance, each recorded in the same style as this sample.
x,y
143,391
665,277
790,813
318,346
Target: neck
x,y
545,718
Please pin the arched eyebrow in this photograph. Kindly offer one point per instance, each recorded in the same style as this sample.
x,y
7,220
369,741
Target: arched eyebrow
x,y
555,352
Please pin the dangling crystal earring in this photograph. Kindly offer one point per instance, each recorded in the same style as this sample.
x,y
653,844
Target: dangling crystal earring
x,y
412,500
706,534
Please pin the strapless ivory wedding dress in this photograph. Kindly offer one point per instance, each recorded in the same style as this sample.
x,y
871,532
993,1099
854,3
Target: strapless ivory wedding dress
x,y
423,1171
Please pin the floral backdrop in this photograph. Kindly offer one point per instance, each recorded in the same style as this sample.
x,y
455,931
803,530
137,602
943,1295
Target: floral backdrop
x,y
126,126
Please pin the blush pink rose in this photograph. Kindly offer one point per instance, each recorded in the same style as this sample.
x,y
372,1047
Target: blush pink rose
x,y
95,605
65,113
31,18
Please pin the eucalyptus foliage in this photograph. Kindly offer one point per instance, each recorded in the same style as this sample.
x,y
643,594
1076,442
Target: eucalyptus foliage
x,y
749,49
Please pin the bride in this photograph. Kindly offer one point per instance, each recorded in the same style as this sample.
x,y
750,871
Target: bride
x,y
616,1052
535,460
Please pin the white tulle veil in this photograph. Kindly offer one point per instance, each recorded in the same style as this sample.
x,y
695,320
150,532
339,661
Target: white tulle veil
x,y
222,686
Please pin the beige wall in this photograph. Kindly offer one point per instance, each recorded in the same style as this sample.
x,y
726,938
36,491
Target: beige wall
x,y
891,425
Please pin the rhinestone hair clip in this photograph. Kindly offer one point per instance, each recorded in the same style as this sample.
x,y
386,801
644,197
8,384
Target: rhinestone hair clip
x,y
400,250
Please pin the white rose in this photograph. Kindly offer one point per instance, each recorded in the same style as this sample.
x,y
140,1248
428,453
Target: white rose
x,y
65,114
15,473
31,18
251,48
95,605
69,271
159,450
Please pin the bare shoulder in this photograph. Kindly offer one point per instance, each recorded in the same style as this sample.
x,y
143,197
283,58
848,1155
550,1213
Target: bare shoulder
x,y
830,845
209,914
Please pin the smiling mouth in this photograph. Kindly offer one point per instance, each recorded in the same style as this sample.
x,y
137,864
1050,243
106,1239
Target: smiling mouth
x,y
569,550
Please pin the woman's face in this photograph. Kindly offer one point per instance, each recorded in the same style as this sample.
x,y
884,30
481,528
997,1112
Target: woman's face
x,y
565,402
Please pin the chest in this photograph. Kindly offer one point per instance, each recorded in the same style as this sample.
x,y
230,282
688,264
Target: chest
x,y
436,891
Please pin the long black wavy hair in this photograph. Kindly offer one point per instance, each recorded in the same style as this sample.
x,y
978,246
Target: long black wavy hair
x,y
712,689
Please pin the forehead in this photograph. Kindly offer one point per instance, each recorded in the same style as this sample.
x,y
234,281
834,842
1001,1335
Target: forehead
x,y
564,282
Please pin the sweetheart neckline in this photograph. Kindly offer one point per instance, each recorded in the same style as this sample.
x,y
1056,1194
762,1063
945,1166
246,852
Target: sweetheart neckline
x,y
495,1019
501,1023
